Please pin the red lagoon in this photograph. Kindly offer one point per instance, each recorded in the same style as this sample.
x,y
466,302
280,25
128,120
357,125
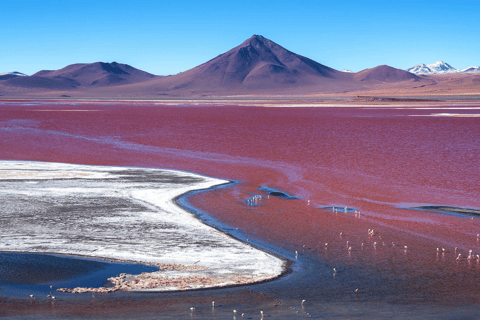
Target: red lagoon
x,y
354,170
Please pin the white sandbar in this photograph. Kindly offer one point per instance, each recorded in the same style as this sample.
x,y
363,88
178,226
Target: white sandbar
x,y
121,213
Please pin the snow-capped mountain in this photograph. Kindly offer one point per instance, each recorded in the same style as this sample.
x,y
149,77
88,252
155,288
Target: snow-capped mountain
x,y
420,69
346,70
441,67
434,68
474,69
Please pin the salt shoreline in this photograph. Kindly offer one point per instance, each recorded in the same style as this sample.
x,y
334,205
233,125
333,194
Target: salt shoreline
x,y
246,265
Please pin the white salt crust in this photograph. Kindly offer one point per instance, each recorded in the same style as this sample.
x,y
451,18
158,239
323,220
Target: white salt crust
x,y
110,212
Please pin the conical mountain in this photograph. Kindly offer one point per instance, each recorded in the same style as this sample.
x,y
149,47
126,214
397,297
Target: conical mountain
x,y
257,65
259,58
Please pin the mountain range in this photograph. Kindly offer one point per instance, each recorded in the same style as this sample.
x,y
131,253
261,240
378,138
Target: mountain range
x,y
258,66
98,74
440,67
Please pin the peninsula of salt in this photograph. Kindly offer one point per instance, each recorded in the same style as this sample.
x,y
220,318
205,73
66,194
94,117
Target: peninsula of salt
x,y
127,214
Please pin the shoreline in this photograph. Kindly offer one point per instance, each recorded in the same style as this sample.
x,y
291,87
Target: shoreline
x,y
321,101
198,213
287,269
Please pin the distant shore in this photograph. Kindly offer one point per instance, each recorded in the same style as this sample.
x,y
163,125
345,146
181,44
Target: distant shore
x,y
318,101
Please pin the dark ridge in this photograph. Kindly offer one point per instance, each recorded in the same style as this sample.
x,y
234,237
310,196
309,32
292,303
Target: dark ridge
x,y
277,193
8,76
372,98
112,68
450,209
340,209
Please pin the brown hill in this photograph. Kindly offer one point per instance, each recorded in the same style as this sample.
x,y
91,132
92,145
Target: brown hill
x,y
385,73
80,75
40,82
98,74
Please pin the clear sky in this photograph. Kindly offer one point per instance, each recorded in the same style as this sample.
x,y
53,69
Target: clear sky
x,y
167,37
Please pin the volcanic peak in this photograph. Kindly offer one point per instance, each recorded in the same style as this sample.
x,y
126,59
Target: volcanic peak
x,y
258,41
263,57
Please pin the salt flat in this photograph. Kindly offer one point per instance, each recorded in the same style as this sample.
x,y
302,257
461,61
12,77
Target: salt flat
x,y
122,213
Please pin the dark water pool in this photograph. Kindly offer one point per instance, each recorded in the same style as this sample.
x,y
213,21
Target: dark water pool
x,y
23,274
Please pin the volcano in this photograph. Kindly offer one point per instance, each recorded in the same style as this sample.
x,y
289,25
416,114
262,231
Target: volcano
x,y
260,62
257,65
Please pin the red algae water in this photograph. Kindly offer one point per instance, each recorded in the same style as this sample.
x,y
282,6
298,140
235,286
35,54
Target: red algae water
x,y
358,249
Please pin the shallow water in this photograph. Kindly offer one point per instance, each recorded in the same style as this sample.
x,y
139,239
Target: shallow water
x,y
24,274
370,159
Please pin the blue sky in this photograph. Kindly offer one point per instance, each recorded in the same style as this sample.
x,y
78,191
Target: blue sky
x,y
167,37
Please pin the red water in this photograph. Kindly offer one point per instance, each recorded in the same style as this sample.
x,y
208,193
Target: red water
x,y
371,159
